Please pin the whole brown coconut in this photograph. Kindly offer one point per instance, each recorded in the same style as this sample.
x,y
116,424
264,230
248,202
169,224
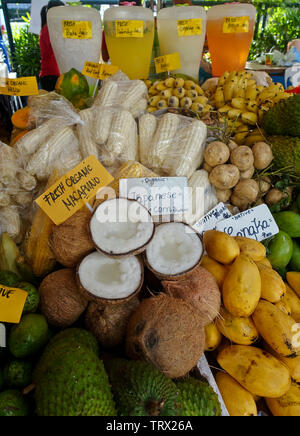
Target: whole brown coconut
x,y
109,323
168,333
70,241
199,289
60,301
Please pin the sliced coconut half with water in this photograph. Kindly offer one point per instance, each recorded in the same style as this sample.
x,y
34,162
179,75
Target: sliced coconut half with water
x,y
175,250
105,278
121,227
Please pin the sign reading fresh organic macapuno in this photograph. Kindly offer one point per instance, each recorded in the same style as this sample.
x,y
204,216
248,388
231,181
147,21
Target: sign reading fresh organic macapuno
x,y
12,303
20,87
76,188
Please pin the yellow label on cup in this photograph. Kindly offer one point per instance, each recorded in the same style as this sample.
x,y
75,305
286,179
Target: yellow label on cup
x,y
167,63
189,27
12,303
236,25
70,193
129,28
99,71
77,29
20,87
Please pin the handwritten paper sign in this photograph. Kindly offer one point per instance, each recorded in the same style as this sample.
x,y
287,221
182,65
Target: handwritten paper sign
x,y
12,303
77,29
129,28
166,63
99,71
70,193
257,223
189,27
21,87
236,25
210,220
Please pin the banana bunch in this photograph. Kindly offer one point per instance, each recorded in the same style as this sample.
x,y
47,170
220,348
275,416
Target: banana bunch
x,y
241,103
177,93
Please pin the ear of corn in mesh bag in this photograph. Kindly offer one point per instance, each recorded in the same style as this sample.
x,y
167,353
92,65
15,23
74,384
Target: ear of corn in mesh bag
x,y
10,221
9,163
147,128
87,144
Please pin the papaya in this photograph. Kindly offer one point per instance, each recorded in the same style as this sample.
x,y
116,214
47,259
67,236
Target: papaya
x,y
257,371
20,119
272,285
277,329
240,331
74,86
221,247
238,401
252,248
218,270
288,404
294,264
293,278
288,222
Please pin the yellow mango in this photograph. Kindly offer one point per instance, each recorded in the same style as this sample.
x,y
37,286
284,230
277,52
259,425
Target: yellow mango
x,y
252,248
240,331
272,285
293,365
277,329
293,301
242,287
265,262
220,246
213,337
293,279
288,404
284,307
257,371
218,270
238,401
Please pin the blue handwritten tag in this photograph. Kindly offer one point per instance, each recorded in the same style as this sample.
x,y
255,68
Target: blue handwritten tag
x,y
210,220
257,223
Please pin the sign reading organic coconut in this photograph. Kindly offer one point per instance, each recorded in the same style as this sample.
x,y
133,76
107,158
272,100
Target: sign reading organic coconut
x,y
160,195
76,188
12,301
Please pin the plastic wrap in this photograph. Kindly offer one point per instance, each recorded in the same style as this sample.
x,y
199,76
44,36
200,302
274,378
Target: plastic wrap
x,y
175,148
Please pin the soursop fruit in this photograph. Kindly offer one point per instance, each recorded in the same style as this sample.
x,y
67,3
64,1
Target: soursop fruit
x,y
284,118
286,151
141,390
197,398
13,403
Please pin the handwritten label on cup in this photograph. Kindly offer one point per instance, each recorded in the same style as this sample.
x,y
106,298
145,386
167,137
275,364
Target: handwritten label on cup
x,y
12,301
70,193
166,63
236,25
99,71
77,29
257,223
129,28
20,87
189,27
210,220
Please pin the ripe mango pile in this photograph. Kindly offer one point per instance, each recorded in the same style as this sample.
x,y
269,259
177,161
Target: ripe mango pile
x,y
256,337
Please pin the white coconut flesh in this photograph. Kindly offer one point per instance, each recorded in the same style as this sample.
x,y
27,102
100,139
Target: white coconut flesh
x,y
174,249
109,278
121,227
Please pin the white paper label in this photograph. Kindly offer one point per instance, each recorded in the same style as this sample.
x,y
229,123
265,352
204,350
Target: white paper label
x,y
2,336
160,195
210,220
257,223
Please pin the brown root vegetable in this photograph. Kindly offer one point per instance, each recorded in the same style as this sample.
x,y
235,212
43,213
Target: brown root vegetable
x,y
274,196
242,157
224,176
247,174
60,300
70,241
216,153
109,323
223,196
168,333
263,155
247,190
232,145
264,185
207,167
200,290
239,202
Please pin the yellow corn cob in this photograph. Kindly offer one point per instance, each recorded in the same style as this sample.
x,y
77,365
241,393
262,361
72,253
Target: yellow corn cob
x,y
37,250
87,144
10,221
147,128
8,164
107,94
163,139
136,90
31,142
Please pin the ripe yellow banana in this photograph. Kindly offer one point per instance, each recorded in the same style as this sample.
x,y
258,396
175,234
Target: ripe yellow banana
x,y
251,93
252,106
219,98
229,89
250,118
238,103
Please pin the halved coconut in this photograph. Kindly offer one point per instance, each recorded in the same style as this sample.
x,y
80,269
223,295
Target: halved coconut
x,y
121,227
108,280
175,250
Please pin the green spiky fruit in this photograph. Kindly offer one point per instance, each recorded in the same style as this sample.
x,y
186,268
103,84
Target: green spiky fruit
x,y
13,403
198,398
286,151
141,390
75,384
283,118
33,298
18,373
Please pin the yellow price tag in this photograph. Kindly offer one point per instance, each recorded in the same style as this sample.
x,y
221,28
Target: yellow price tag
x,y
99,71
129,29
12,303
20,87
166,63
70,193
189,27
77,29
236,25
